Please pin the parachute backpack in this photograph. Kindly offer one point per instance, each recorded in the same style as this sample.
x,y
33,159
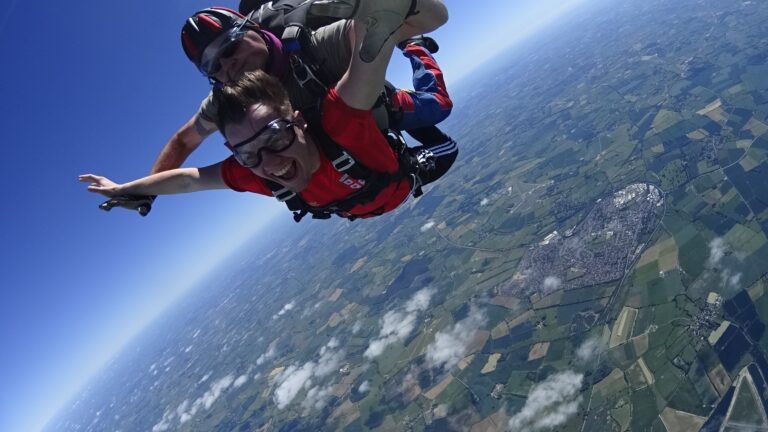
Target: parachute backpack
x,y
293,21
276,15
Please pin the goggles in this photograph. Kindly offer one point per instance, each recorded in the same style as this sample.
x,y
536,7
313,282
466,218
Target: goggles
x,y
273,138
222,47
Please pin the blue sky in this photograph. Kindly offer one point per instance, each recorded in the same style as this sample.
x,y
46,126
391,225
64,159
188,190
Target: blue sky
x,y
97,87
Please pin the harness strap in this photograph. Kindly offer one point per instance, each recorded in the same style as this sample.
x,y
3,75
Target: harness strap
x,y
304,67
309,76
284,194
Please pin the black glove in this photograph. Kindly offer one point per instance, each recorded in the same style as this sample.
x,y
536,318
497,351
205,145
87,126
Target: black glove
x,y
140,203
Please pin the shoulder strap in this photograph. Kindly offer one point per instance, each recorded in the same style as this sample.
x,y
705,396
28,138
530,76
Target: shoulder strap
x,y
304,66
248,6
275,15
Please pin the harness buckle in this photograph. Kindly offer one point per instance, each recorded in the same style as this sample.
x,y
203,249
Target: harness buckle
x,y
343,162
283,194
304,75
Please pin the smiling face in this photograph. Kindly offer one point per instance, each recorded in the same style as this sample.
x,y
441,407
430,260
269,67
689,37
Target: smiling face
x,y
251,54
292,167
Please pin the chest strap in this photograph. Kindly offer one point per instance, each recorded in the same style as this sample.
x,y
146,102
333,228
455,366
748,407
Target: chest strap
x,y
374,181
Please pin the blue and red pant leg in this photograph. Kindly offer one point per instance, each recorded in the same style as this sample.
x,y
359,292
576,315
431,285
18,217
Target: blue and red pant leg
x,y
428,103
420,109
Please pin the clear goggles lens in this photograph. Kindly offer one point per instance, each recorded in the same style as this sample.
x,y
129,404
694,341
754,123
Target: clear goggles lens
x,y
273,138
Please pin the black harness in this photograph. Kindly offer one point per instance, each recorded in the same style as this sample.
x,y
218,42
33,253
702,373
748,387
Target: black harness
x,y
374,182
310,76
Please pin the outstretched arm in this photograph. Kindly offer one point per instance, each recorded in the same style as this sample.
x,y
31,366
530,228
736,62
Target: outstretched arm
x,y
181,180
186,140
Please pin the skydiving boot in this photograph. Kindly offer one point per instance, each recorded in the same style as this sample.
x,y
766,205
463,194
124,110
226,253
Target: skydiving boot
x,y
382,19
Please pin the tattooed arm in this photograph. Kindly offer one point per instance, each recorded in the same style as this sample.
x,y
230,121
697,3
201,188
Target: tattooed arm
x,y
186,140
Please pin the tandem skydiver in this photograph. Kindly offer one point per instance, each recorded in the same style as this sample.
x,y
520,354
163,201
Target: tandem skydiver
x,y
339,163
223,45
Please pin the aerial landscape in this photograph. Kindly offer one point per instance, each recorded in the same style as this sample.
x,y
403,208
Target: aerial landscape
x,y
595,261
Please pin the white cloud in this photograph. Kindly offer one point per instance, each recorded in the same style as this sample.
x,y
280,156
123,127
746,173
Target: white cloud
x,y
292,380
186,410
357,327
217,388
451,346
396,325
288,307
330,360
730,281
242,379
364,387
295,378
182,412
427,226
550,403
717,249
552,283
484,202
590,349
182,408
420,300
165,423
269,355
316,398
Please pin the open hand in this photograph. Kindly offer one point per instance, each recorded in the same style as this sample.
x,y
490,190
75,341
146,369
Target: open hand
x,y
117,198
101,185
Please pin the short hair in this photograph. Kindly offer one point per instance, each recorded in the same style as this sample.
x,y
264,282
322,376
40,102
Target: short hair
x,y
254,88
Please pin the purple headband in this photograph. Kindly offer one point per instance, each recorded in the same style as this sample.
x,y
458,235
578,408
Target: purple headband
x,y
277,65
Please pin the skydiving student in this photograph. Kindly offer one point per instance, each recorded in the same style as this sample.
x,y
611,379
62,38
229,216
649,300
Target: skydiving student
x,y
223,45
341,164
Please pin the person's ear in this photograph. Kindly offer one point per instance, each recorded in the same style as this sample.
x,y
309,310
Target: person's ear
x,y
299,119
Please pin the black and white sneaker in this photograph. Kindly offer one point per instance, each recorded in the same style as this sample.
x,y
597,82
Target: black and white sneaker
x,y
426,160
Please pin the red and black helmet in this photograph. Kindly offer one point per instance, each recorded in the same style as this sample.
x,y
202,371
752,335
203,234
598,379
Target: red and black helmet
x,y
204,27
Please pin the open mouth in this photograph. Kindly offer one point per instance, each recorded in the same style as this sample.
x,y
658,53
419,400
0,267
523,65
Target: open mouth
x,y
287,172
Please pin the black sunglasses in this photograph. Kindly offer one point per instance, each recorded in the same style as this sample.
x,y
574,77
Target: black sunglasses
x,y
226,52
